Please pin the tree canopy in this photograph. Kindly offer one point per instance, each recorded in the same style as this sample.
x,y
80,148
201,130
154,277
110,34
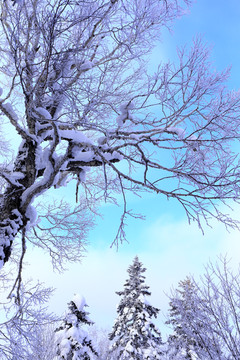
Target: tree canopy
x,y
76,89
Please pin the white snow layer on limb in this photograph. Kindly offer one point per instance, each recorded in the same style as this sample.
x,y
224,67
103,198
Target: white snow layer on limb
x,y
31,214
112,156
43,113
75,136
48,172
177,131
125,113
79,155
192,137
13,177
87,65
1,91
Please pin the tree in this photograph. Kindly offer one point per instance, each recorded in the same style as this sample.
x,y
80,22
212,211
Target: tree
x,y
73,342
134,334
77,93
205,314
219,290
21,326
43,345
190,339
103,344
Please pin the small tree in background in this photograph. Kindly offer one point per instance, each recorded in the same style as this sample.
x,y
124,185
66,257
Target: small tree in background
x,y
192,337
21,326
134,334
182,311
73,342
219,292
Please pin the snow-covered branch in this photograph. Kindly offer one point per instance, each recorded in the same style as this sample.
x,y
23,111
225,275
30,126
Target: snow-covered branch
x,y
85,107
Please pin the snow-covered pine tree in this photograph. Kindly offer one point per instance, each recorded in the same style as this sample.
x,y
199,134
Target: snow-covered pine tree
x,y
192,338
134,334
182,307
73,342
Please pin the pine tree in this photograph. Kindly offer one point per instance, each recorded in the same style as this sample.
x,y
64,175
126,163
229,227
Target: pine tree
x,y
73,342
192,339
134,334
182,308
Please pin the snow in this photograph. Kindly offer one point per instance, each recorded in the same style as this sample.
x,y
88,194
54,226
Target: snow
x,y
1,91
82,175
31,214
17,213
46,176
67,68
9,109
192,137
126,106
125,113
79,301
76,136
44,113
129,348
71,319
79,155
102,140
14,177
177,130
65,347
87,65
114,155
135,137
120,119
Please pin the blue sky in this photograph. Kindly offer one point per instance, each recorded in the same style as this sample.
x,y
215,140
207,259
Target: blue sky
x,y
165,243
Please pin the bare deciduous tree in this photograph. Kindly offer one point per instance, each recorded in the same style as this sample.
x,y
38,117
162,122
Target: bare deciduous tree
x,y
77,92
21,326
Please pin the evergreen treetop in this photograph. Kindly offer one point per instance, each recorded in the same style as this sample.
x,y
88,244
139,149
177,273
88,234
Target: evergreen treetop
x,y
134,334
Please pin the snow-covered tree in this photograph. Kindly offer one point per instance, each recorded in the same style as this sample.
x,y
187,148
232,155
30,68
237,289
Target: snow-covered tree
x,y
219,291
102,343
182,313
77,93
43,346
76,89
192,337
73,342
134,335
21,325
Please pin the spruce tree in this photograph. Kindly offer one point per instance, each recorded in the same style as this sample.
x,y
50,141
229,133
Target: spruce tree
x,y
134,334
191,339
73,342
182,308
